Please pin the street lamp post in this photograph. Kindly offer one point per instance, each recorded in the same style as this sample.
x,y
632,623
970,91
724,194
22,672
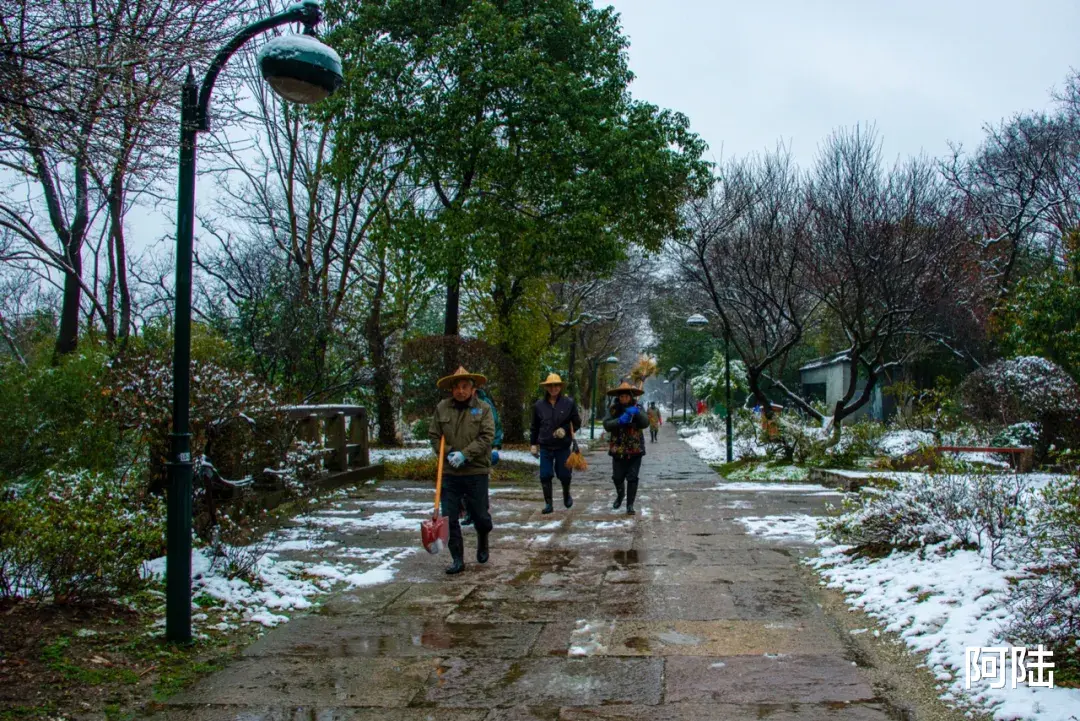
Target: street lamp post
x,y
699,322
673,373
300,69
727,392
684,383
610,360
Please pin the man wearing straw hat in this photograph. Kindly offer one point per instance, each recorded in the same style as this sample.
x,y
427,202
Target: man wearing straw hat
x,y
466,423
555,417
626,442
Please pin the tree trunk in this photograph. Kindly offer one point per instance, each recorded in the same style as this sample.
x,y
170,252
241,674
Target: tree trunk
x,y
119,246
513,398
451,322
571,376
385,414
67,340
375,336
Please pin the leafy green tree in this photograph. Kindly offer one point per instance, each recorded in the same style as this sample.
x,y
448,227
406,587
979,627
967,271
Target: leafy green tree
x,y
516,122
1042,317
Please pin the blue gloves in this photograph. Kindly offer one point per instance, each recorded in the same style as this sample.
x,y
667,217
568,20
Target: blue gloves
x,y
494,458
633,410
456,459
626,418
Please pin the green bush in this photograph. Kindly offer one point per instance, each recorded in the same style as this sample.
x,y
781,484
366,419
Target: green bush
x,y
77,536
57,417
420,427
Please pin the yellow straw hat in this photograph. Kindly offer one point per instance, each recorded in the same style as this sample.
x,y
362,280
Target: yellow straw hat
x,y
552,379
625,387
447,383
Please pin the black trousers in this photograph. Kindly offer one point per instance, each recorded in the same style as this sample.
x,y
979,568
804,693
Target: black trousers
x,y
625,470
473,492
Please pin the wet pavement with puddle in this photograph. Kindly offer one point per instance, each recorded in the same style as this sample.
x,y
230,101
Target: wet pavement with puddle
x,y
677,613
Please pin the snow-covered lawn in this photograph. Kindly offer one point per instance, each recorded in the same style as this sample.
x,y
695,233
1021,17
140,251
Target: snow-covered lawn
x,y
940,602
943,602
283,582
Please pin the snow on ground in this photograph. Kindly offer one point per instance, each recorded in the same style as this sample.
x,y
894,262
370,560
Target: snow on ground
x,y
708,445
396,455
899,443
763,472
286,584
798,528
941,602
742,487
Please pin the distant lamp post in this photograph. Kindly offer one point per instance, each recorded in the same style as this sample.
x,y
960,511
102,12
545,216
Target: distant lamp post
x,y
302,70
610,360
700,322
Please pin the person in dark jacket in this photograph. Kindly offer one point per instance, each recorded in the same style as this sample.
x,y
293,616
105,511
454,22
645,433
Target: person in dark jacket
x,y
467,425
550,438
626,442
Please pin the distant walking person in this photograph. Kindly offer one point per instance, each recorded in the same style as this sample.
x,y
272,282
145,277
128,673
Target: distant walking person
x,y
466,423
626,442
549,439
655,421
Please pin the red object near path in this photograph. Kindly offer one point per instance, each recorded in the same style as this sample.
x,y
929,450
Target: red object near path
x,y
435,532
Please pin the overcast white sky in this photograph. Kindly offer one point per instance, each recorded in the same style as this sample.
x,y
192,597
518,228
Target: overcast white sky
x,y
749,73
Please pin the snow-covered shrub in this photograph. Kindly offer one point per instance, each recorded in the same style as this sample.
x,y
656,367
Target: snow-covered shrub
x,y
1028,389
902,443
235,550
77,536
859,440
1025,433
1046,598
303,465
974,510
796,442
745,429
710,384
224,403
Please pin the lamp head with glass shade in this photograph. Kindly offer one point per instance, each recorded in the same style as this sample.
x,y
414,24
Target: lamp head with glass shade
x,y
674,371
611,360
697,321
300,68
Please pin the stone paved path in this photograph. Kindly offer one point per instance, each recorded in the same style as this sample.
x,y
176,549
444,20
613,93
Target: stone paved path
x,y
584,614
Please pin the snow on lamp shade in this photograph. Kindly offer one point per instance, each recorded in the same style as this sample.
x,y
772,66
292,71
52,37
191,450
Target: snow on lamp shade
x,y
300,68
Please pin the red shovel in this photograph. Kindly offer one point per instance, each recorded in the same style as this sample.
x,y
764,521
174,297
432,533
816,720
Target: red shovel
x,y
435,532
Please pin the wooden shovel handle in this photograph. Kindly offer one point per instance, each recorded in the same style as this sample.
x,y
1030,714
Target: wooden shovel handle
x,y
438,474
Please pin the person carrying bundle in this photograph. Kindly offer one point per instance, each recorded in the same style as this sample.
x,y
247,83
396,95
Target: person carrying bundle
x,y
554,419
626,442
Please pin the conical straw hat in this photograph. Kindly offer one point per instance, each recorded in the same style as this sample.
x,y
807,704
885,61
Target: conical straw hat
x,y
625,387
447,383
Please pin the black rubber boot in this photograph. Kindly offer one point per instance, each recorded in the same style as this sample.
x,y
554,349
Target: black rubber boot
x,y
457,554
566,498
481,547
631,494
549,507
620,492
